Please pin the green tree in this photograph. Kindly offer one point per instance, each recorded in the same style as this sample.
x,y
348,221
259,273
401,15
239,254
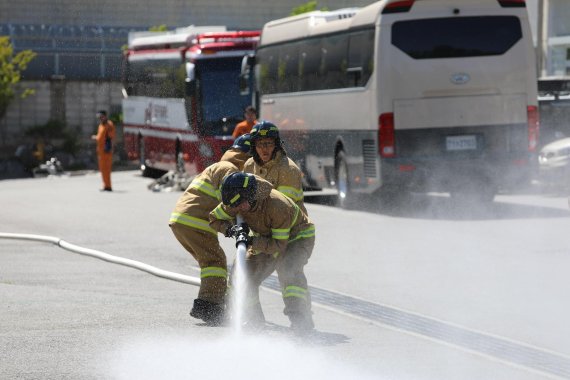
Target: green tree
x,y
11,67
307,7
158,28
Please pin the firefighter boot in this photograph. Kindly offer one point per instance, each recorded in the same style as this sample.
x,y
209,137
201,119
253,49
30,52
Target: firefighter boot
x,y
210,313
301,323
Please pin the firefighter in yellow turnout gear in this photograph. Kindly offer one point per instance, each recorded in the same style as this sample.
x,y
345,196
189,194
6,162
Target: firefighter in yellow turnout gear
x,y
190,224
269,161
283,240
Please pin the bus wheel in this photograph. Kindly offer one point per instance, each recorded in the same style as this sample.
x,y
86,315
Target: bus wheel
x,y
145,172
180,162
342,186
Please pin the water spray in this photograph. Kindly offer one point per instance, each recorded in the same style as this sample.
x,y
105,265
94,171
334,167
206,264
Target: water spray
x,y
239,281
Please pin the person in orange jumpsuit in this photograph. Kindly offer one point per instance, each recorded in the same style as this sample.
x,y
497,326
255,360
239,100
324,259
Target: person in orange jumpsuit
x,y
105,137
245,126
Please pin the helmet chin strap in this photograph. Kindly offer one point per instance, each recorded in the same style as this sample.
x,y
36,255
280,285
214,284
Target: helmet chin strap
x,y
277,149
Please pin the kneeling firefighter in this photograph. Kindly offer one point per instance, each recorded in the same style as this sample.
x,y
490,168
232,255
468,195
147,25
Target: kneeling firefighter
x,y
190,225
283,240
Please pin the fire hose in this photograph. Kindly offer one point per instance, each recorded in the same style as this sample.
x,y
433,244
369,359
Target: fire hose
x,y
240,255
105,256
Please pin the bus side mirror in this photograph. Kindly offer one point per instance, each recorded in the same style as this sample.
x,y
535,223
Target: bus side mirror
x,y
243,84
247,64
190,81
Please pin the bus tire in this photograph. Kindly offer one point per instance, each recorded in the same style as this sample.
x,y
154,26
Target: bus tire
x,y
147,171
179,158
344,197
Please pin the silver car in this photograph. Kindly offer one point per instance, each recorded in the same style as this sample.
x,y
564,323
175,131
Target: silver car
x,y
554,163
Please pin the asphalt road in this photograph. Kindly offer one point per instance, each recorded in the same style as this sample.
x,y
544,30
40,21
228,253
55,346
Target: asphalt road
x,y
429,289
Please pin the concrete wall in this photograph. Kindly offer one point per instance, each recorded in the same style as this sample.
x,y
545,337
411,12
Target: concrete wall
x,y
75,102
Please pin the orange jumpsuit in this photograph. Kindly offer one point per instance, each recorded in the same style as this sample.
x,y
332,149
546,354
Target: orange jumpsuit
x,y
283,240
242,128
190,225
105,159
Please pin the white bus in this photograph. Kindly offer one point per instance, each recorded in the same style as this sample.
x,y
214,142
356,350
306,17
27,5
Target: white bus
x,y
421,95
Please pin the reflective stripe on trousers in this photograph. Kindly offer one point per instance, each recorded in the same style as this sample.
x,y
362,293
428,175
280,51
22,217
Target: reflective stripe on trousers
x,y
191,221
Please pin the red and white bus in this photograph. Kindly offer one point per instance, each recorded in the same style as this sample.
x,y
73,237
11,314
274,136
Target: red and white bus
x,y
181,96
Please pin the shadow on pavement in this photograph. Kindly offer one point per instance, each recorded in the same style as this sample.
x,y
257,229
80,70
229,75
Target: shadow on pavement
x,y
315,337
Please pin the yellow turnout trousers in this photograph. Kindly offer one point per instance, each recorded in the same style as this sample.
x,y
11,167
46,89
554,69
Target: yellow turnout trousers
x,y
205,248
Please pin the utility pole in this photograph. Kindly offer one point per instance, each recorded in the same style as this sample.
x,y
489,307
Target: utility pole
x,y
542,36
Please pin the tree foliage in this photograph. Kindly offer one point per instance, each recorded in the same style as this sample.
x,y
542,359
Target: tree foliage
x,y
158,28
11,67
307,7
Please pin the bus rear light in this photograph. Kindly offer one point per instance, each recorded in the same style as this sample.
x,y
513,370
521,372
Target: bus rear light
x,y
386,135
533,127
512,3
400,6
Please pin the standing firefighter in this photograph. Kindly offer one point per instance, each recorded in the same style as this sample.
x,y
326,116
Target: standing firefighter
x,y
269,161
190,225
283,240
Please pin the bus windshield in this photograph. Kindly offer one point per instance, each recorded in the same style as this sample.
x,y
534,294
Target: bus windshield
x,y
222,104
159,78
456,37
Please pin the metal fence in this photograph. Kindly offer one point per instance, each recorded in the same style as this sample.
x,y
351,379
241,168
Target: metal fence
x,y
73,52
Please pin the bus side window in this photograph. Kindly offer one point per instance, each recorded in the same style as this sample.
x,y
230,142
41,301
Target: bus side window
x,y
309,62
360,57
288,68
334,61
267,63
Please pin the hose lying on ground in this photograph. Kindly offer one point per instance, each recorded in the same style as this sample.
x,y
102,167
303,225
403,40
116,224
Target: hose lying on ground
x,y
105,256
